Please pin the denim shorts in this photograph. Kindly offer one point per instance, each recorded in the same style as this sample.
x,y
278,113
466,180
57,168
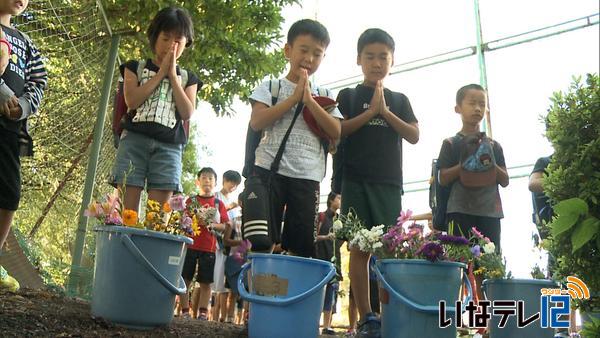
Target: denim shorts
x,y
143,161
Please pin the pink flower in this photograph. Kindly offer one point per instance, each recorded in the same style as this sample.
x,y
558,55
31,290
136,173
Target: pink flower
x,y
404,216
476,232
177,202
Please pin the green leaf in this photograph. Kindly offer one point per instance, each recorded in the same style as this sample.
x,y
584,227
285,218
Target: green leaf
x,y
584,232
563,223
571,206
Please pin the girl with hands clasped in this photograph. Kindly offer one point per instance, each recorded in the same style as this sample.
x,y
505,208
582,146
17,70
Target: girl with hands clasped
x,y
160,97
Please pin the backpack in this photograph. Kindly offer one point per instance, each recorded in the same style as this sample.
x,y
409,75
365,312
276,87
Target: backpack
x,y
253,137
439,194
120,110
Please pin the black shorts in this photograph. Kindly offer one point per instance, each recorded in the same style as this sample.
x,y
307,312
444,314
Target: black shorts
x,y
10,170
488,226
300,199
206,266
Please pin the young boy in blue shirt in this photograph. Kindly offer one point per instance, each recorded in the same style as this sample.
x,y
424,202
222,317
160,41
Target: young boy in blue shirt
x,y
295,186
375,122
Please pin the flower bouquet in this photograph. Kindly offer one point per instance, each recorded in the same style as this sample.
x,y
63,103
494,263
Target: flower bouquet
x,y
173,217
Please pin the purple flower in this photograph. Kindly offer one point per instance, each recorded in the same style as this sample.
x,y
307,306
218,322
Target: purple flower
x,y
431,251
476,251
458,240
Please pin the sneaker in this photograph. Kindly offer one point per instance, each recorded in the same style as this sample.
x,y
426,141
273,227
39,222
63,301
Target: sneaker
x,y
350,333
186,315
203,316
7,281
370,327
328,331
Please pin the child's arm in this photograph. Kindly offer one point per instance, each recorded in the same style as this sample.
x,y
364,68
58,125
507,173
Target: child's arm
x,y
501,175
408,131
35,83
227,237
449,175
185,97
536,179
264,116
330,124
4,52
135,94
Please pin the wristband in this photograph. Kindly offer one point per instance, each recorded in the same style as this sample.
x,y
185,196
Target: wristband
x,y
7,45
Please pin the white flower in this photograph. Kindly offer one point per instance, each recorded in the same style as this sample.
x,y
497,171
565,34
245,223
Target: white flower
x,y
337,225
489,247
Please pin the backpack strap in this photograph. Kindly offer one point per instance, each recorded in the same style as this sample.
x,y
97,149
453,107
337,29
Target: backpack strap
x,y
274,86
140,70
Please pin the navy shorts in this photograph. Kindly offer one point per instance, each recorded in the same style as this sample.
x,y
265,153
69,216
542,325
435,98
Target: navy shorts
x,y
206,266
10,170
330,296
143,161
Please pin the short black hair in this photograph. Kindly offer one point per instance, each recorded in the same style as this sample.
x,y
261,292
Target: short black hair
x,y
332,195
462,92
232,176
375,35
310,27
207,170
171,19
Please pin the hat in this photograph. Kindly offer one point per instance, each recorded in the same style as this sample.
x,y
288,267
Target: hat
x,y
326,103
477,162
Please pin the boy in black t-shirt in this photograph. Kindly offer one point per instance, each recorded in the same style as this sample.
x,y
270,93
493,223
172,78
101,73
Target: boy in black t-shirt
x,y
375,122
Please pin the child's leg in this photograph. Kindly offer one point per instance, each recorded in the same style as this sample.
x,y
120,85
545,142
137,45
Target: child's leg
x,y
359,276
231,304
222,300
161,196
131,197
206,267
352,312
204,300
300,216
184,300
195,300
6,218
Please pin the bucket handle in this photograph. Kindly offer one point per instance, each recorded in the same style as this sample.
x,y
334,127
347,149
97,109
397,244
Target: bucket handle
x,y
419,307
278,301
135,251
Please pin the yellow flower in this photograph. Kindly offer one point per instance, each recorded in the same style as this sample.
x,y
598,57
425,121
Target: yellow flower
x,y
153,205
130,217
195,227
151,216
166,207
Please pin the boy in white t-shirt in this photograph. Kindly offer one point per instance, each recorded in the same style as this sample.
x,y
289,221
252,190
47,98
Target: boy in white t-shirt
x,y
295,186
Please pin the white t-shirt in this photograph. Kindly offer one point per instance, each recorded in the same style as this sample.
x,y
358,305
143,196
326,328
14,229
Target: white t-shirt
x,y
303,156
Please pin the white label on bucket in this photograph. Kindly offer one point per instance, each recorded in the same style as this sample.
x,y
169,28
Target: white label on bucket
x,y
174,260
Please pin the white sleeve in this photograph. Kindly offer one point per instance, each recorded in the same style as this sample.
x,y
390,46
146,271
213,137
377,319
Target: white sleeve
x,y
262,94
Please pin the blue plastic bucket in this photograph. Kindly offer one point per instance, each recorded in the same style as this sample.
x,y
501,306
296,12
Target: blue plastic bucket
x,y
137,274
527,290
294,306
411,292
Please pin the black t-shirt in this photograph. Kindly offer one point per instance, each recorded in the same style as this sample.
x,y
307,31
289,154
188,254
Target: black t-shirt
x,y
373,153
324,249
14,75
157,117
540,200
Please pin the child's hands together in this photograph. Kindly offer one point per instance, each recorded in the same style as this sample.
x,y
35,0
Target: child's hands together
x,y
377,101
300,90
168,66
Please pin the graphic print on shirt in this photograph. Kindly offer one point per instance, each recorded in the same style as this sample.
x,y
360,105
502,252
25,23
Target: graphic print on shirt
x,y
376,121
160,106
18,55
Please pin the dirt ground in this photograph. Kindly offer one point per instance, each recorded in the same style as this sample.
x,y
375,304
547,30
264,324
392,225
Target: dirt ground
x,y
29,313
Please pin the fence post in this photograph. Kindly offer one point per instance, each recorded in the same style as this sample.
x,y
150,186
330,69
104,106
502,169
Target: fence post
x,y
92,166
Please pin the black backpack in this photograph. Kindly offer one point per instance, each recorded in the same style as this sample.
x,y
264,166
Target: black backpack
x,y
439,194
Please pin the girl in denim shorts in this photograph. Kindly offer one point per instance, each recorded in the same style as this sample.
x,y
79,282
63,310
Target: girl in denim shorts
x,y
160,96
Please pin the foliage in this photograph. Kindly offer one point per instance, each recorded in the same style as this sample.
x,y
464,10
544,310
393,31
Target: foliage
x,y
236,43
573,182
591,328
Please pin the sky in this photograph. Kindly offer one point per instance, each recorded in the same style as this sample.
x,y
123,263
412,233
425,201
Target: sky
x,y
521,80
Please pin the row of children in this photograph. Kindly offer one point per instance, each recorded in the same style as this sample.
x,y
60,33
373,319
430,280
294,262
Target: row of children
x,y
371,119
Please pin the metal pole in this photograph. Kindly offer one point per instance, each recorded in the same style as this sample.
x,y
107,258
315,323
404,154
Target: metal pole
x,y
480,49
93,164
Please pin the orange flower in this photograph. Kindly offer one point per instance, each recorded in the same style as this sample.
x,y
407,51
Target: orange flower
x,y
166,207
130,217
